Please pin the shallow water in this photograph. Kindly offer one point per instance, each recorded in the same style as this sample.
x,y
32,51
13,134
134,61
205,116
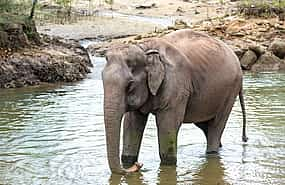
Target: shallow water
x,y
54,134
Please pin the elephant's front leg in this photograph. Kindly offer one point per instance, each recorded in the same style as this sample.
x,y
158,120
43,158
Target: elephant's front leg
x,y
168,123
134,124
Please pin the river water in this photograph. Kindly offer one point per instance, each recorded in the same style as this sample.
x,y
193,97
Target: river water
x,y
54,134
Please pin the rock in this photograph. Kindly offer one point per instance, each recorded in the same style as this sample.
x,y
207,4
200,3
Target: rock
x,y
180,10
257,49
196,12
236,25
278,48
138,37
239,52
13,27
145,5
180,24
238,34
248,59
268,62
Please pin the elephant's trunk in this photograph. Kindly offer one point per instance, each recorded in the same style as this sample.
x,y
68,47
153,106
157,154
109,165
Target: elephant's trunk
x,y
113,113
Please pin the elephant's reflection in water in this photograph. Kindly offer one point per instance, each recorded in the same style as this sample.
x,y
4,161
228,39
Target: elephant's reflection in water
x,y
134,178
211,172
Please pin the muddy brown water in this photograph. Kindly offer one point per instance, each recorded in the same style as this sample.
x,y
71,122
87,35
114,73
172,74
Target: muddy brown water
x,y
54,134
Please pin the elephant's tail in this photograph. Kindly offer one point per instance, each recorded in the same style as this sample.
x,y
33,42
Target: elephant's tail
x,y
241,99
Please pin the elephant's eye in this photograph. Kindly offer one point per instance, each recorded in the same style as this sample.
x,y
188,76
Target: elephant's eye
x,y
131,86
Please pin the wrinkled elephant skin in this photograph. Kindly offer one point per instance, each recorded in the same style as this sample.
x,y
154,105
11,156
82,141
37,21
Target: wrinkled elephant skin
x,y
183,77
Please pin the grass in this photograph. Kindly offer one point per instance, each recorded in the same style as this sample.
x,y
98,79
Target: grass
x,y
27,24
262,8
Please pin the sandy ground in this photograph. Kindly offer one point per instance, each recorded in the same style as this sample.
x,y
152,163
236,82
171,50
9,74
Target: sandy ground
x,y
98,27
191,12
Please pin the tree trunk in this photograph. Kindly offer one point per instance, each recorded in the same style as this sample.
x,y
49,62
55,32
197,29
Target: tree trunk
x,y
33,9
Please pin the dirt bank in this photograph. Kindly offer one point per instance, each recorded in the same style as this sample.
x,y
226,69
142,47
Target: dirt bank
x,y
26,58
134,17
259,43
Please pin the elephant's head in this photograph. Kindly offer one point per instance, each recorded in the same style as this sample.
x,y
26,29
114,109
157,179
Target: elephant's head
x,y
130,76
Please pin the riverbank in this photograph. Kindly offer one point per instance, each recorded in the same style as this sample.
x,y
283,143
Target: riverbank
x,y
26,58
257,42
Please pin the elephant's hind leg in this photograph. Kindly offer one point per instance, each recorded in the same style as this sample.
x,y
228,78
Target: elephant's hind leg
x,y
216,126
134,125
204,127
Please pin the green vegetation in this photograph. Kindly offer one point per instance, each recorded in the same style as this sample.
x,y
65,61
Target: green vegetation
x,y
263,8
17,31
110,2
17,7
264,3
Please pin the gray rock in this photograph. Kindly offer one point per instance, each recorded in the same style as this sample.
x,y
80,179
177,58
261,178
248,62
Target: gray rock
x,y
239,52
278,48
268,62
248,59
146,5
258,50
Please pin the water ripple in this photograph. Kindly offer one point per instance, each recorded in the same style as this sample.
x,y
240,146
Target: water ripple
x,y
54,134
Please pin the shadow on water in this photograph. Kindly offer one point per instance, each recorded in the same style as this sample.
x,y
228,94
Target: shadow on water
x,y
210,172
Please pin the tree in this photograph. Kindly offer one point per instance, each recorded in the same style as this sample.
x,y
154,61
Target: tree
x,y
110,2
33,9
66,4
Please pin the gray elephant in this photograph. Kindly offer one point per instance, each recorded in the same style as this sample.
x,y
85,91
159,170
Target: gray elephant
x,y
182,77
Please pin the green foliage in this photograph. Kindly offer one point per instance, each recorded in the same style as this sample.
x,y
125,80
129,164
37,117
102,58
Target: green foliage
x,y
17,7
6,5
110,2
264,3
64,3
279,3
262,8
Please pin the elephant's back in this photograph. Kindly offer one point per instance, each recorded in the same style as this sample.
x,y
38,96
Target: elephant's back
x,y
205,53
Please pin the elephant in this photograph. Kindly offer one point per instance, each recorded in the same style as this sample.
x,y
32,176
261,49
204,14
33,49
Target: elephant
x,y
181,77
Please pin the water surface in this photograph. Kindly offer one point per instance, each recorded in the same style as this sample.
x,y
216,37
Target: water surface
x,y
54,134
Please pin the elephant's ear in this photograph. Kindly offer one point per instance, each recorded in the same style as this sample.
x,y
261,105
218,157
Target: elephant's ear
x,y
155,69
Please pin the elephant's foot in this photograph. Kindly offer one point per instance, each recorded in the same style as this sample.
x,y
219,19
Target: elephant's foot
x,y
244,138
212,152
213,149
136,167
128,160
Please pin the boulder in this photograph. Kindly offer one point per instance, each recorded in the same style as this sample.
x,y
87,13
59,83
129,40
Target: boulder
x,y
180,10
268,62
257,49
239,52
180,24
248,59
278,48
145,5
